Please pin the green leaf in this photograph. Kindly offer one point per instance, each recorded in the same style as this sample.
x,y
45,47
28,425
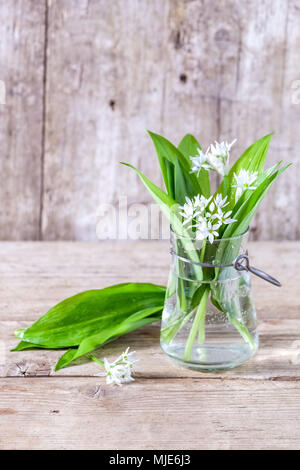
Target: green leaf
x,y
229,247
24,345
260,179
166,167
243,330
186,183
168,206
183,186
91,312
165,202
170,209
89,344
253,159
189,148
215,302
245,213
171,178
198,295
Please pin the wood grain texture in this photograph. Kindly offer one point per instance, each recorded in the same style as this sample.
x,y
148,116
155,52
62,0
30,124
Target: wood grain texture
x,y
104,89
230,66
254,406
84,81
83,413
218,70
22,36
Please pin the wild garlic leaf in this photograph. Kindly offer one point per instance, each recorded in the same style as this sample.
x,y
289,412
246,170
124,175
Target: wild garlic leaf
x,y
25,345
245,213
89,344
166,167
183,186
230,247
170,209
170,168
90,312
189,147
248,192
253,159
168,206
186,183
164,201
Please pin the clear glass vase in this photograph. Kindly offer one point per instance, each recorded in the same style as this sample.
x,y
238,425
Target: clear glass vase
x,y
209,318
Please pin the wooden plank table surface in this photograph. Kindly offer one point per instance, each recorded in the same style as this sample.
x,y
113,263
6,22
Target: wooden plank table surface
x,y
167,407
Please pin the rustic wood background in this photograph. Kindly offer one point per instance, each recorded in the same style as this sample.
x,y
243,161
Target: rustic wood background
x,y
85,78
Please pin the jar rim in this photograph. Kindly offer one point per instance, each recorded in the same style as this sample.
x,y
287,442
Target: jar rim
x,y
218,240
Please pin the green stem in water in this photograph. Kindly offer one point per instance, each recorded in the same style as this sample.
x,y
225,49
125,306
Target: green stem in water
x,y
181,292
201,332
196,324
243,331
202,250
170,331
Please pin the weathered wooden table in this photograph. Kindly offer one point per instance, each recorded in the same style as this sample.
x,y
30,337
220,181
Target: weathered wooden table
x,y
167,407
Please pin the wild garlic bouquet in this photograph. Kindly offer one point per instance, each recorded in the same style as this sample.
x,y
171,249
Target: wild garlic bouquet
x,y
206,231
186,174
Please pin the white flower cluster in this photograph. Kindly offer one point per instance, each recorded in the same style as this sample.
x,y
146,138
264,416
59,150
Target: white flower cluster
x,y
206,215
120,370
244,180
215,158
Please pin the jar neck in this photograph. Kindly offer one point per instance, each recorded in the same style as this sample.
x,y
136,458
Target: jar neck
x,y
221,251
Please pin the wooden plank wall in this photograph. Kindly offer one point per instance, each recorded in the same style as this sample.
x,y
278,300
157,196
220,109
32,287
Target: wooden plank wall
x,y
22,57
85,78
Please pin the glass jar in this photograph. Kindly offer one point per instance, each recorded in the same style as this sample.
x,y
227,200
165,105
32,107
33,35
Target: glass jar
x,y
209,318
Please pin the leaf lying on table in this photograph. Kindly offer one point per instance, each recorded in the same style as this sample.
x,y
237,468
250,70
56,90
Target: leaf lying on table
x,y
95,317
135,321
25,345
